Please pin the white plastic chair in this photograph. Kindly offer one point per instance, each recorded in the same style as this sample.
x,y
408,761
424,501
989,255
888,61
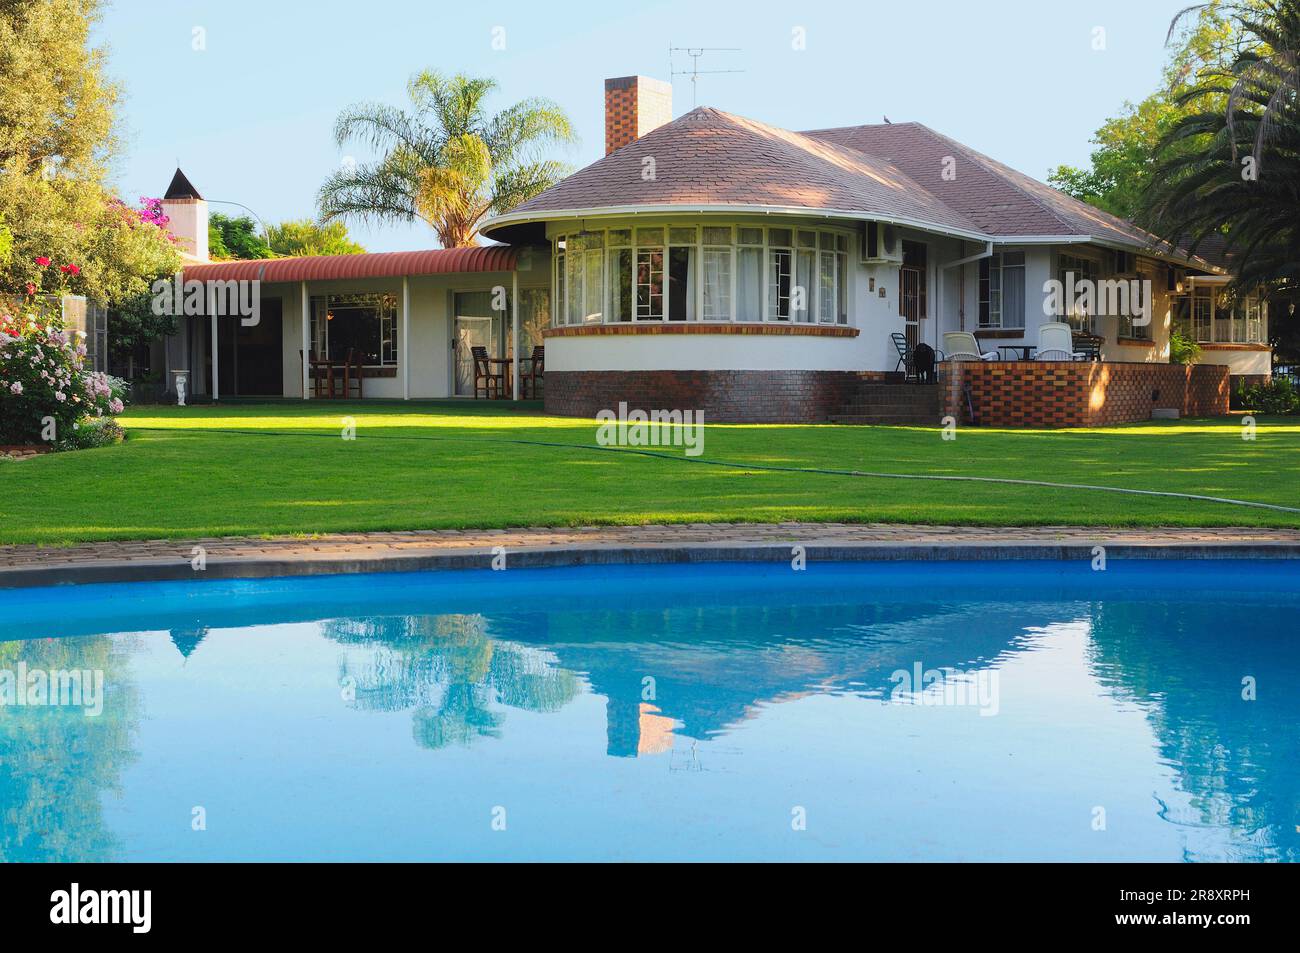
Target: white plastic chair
x,y
1056,343
962,346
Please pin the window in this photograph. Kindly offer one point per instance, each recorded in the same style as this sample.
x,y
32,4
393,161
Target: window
x,y
749,274
1071,270
702,273
1002,291
681,273
649,282
717,274
364,325
1217,320
780,274
1256,316
1136,307
585,285
558,314
1203,315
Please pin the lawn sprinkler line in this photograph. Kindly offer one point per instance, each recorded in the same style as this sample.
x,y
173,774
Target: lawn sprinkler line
x,y
764,467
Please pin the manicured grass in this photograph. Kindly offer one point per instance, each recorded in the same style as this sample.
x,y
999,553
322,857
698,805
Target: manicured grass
x,y
283,468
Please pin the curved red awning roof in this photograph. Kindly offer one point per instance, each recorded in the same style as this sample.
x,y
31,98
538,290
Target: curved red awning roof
x,y
437,261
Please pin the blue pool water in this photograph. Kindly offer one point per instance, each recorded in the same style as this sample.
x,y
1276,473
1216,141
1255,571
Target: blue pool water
x,y
697,712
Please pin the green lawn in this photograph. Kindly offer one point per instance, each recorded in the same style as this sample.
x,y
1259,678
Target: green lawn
x,y
185,472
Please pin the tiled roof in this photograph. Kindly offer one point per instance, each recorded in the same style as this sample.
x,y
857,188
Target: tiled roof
x,y
711,158
1003,201
437,261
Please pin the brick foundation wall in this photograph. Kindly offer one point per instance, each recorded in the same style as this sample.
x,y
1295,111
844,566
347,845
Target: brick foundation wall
x,y
1032,394
723,396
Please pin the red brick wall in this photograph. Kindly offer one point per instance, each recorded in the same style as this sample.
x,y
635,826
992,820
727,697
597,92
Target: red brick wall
x,y
1032,394
634,106
723,396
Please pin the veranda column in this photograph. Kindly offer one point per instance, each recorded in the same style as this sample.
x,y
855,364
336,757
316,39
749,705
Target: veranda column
x,y
216,388
306,343
404,347
514,331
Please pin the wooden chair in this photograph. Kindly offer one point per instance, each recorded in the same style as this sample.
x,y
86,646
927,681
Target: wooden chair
x,y
353,374
321,375
492,383
531,378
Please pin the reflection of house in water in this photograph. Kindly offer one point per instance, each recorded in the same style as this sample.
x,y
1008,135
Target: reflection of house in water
x,y
636,728
714,666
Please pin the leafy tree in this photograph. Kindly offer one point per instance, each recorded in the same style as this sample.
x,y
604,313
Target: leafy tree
x,y
305,238
133,324
1121,165
6,243
56,107
1229,168
446,162
230,237
56,137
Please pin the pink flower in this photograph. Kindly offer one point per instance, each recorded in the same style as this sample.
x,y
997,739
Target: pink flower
x,y
73,270
43,262
115,406
16,388
31,290
60,396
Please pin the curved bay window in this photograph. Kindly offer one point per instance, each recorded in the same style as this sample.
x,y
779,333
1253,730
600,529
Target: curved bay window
x,y
701,273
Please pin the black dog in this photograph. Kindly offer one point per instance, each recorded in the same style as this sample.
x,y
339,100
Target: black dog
x,y
923,363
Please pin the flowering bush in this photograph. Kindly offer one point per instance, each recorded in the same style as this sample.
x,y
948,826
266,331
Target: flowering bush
x,y
45,392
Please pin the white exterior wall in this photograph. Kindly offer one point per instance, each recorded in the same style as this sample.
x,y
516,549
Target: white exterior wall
x,y
189,223
429,348
1239,362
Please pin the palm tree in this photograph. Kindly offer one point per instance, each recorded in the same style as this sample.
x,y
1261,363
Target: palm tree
x,y
446,162
1230,170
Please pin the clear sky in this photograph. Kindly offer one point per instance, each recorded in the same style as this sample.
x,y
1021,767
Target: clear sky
x,y
250,116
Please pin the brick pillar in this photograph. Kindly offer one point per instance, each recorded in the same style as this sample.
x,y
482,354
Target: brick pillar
x,y
634,106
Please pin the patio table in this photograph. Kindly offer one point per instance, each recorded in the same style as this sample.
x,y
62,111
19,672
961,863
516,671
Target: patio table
x,y
506,375
1018,352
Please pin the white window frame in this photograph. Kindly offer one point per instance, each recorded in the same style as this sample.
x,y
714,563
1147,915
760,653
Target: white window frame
x,y
830,257
999,261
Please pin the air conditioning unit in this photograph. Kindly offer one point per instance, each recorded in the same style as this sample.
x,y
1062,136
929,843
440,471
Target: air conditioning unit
x,y
881,244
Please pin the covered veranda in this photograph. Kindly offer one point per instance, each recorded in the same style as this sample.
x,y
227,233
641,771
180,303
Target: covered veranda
x,y
393,315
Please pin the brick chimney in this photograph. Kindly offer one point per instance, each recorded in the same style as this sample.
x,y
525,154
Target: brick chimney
x,y
634,106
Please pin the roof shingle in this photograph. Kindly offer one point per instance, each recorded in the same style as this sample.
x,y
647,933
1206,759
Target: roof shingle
x,y
712,158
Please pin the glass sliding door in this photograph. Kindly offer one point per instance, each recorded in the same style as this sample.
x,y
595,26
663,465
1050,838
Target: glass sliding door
x,y
476,325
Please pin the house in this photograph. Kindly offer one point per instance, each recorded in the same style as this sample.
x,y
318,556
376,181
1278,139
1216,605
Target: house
x,y
720,264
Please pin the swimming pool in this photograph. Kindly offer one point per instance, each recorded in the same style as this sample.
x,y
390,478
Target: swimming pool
x,y
1003,711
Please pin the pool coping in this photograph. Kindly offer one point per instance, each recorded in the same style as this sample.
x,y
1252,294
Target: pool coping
x,y
347,554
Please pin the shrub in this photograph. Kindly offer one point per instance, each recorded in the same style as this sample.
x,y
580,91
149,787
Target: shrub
x,y
1182,349
94,432
45,390
1278,396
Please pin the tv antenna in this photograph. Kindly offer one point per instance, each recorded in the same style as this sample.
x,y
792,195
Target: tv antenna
x,y
695,52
